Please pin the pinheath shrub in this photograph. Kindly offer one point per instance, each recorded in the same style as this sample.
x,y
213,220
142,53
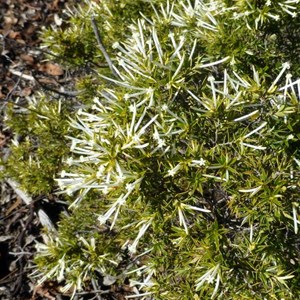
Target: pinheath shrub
x,y
183,164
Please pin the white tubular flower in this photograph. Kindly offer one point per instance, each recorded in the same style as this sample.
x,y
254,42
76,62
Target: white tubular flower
x,y
69,161
275,17
295,219
164,107
120,177
61,263
256,147
143,129
252,191
242,82
211,79
100,171
172,172
256,129
178,69
292,85
103,218
285,66
146,282
246,116
198,100
191,207
182,221
156,135
157,45
215,177
142,231
115,208
72,183
161,143
115,45
288,9
131,186
215,62
211,276
201,162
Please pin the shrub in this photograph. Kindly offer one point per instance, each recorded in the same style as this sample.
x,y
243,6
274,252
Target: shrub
x,y
184,172
39,143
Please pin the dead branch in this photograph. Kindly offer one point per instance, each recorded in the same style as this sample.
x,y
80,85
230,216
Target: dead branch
x,y
101,46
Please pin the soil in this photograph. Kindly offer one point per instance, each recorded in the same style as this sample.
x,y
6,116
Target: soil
x,y
23,71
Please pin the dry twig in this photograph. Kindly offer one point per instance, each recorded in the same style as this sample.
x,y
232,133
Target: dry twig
x,y
105,54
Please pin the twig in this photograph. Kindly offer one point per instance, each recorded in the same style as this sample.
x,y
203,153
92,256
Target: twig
x,y
8,96
100,65
105,54
101,292
64,93
33,78
20,253
20,241
25,106
21,75
44,219
12,90
95,288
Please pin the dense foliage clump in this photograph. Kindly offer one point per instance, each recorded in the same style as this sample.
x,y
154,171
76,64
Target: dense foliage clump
x,y
183,170
39,143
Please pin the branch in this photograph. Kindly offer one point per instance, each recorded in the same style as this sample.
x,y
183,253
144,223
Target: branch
x,y
62,93
105,54
34,78
21,75
8,96
43,217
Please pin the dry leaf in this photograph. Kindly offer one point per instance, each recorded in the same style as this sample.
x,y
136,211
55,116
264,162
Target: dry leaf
x,y
10,20
42,291
3,138
51,69
26,92
27,58
17,203
58,21
14,35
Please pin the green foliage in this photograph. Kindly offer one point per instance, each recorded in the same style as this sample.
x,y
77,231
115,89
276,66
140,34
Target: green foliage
x,y
39,144
184,168
76,45
77,254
